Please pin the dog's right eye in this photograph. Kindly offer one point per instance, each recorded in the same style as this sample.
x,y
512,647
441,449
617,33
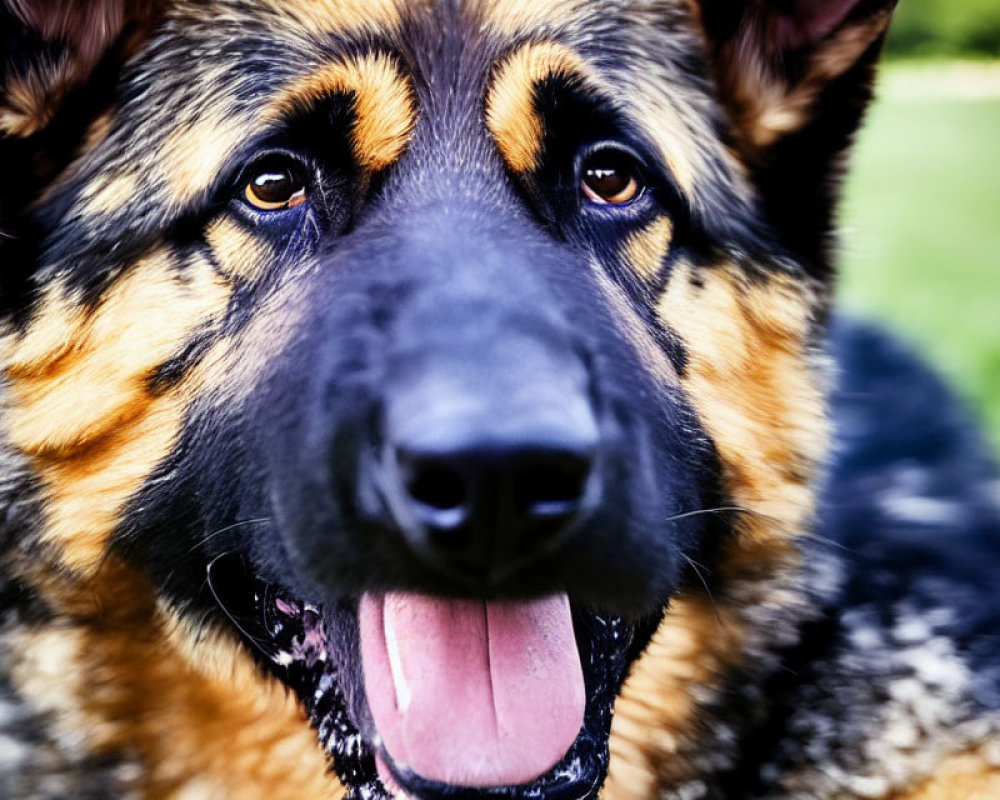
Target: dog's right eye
x,y
275,184
610,176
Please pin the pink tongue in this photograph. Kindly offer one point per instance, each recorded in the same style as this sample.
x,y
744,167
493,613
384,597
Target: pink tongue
x,y
468,693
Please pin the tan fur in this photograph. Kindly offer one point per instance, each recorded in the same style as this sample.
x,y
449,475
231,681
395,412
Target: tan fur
x,y
513,17
645,248
968,776
239,253
79,406
384,104
751,379
191,706
28,101
654,722
320,17
194,152
755,385
510,102
111,194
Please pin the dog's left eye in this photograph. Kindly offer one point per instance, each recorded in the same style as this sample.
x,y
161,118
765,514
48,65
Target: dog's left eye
x,y
610,176
274,185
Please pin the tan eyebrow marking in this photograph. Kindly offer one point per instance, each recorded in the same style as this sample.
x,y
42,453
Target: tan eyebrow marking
x,y
518,129
384,104
511,115
194,153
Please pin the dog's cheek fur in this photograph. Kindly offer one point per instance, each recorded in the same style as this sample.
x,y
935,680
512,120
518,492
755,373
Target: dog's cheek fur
x,y
89,425
94,403
757,385
757,381
83,416
80,405
211,713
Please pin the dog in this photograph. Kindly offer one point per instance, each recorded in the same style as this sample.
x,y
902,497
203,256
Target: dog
x,y
445,400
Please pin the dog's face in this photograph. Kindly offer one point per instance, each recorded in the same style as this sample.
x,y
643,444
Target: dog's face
x,y
431,351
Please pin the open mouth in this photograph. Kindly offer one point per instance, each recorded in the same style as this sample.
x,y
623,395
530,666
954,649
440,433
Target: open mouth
x,y
428,697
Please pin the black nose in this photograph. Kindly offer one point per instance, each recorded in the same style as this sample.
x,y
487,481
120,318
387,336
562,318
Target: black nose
x,y
482,494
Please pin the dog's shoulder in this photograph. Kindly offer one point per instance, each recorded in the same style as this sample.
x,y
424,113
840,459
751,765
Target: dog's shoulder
x,y
897,678
38,758
913,495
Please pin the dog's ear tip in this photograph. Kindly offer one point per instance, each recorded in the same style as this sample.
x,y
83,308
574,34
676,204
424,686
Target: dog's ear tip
x,y
789,24
86,26
775,60
64,41
802,23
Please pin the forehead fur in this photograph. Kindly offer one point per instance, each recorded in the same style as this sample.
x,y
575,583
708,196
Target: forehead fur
x,y
224,76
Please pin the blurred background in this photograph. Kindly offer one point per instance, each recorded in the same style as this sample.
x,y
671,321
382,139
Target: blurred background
x,y
921,216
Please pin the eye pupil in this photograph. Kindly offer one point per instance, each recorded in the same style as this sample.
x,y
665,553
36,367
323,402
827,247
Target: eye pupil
x,y
275,185
607,180
610,177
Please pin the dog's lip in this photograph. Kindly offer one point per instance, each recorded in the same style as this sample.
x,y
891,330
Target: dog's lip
x,y
291,634
607,644
563,782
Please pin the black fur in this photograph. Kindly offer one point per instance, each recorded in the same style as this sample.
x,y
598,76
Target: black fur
x,y
448,282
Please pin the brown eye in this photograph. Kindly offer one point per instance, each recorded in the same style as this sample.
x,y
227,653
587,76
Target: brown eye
x,y
275,186
610,177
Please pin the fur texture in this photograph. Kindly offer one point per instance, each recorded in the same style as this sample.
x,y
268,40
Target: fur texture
x,y
252,252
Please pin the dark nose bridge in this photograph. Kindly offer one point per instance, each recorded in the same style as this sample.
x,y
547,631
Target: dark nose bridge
x,y
490,434
483,332
484,285
493,378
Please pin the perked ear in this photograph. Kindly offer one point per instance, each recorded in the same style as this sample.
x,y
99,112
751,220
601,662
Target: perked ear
x,y
795,77
59,63
774,58
50,47
86,28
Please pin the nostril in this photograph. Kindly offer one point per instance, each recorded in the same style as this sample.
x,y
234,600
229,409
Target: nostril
x,y
553,488
437,486
438,491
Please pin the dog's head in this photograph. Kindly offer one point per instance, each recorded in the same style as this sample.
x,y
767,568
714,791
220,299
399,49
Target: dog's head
x,y
432,352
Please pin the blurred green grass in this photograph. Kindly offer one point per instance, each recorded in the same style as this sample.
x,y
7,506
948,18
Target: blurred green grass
x,y
921,221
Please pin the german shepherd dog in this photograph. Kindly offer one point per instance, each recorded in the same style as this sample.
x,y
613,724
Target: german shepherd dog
x,y
442,400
